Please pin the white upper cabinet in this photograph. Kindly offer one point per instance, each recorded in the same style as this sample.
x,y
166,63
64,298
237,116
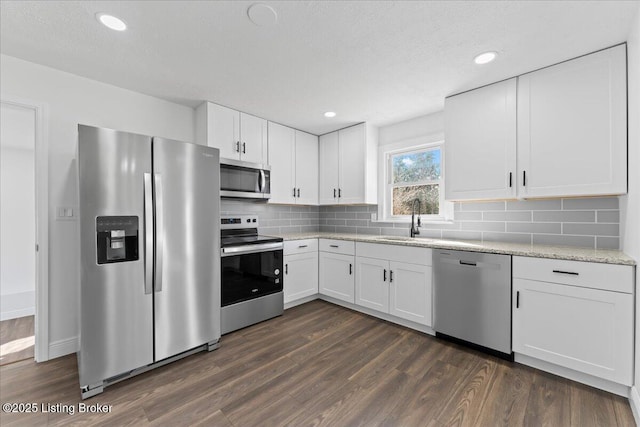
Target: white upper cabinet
x,y
348,166
293,157
239,136
306,163
480,146
329,181
282,161
253,139
556,132
572,127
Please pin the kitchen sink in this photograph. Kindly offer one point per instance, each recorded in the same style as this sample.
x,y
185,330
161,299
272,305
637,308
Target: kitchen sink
x,y
397,238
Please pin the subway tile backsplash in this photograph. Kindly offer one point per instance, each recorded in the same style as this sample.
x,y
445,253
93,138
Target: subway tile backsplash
x,y
588,222
275,219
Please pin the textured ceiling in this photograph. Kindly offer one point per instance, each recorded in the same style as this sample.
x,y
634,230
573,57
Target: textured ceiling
x,y
376,61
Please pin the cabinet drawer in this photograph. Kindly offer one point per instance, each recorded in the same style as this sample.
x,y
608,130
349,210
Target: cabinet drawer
x,y
337,246
292,247
408,254
608,277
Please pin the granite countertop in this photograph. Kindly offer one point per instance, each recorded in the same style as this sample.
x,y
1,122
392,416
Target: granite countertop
x,y
606,256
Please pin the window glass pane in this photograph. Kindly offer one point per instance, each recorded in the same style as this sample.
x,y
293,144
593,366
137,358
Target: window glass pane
x,y
420,166
428,195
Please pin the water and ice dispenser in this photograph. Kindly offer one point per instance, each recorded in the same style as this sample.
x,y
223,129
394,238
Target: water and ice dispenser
x,y
117,238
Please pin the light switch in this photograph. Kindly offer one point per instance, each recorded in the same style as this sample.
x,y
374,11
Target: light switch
x,y
65,213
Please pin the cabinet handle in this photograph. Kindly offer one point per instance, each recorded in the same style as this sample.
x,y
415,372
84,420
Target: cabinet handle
x,y
237,146
339,192
566,272
286,269
518,299
524,178
334,193
384,275
294,192
390,276
350,269
510,179
244,148
302,246
334,246
298,192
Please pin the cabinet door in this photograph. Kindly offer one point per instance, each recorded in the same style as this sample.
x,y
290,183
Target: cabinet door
x,y
572,127
306,168
480,149
587,330
281,160
410,292
224,129
352,160
329,169
253,136
300,276
337,276
372,283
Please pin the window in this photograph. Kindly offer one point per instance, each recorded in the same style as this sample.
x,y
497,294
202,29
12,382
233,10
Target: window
x,y
413,173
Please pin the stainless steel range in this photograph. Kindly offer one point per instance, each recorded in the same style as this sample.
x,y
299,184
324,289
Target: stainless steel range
x,y
251,273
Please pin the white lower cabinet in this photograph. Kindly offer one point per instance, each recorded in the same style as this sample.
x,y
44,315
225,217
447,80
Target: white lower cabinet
x,y
569,322
410,292
337,273
372,287
300,269
399,288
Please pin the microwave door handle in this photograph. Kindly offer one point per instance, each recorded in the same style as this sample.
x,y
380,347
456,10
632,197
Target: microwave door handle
x,y
159,231
263,182
148,235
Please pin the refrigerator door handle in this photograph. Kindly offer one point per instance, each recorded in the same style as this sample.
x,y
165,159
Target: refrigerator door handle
x,y
148,235
159,231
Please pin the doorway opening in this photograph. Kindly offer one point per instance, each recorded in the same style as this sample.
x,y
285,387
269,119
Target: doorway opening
x,y
23,208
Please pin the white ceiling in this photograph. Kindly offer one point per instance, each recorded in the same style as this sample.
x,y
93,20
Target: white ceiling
x,y
376,61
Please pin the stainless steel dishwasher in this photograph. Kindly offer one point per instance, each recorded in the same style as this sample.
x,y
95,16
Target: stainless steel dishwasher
x,y
472,300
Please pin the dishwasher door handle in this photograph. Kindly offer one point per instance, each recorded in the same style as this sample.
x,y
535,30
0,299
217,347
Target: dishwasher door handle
x,y
473,264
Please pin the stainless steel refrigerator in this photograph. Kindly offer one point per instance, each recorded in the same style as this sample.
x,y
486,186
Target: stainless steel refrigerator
x,y
150,253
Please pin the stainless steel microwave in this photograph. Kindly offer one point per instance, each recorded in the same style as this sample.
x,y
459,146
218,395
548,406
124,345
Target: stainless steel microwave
x,y
244,180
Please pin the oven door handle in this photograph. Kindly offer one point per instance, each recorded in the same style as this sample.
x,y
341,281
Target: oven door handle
x,y
248,249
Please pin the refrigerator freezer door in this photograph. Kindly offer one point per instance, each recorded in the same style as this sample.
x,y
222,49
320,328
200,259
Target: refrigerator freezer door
x,y
116,324
187,307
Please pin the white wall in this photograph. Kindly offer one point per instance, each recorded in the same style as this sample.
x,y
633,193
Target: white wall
x,y
70,100
412,128
630,204
17,212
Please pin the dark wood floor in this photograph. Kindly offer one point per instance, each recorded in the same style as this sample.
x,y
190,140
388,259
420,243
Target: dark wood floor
x,y
16,339
320,364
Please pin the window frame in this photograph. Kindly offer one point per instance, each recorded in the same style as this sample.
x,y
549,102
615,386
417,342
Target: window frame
x,y
385,187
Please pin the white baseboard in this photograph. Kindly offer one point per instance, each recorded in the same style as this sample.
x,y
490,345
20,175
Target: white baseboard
x,y
634,402
63,347
379,315
14,314
301,301
581,377
18,304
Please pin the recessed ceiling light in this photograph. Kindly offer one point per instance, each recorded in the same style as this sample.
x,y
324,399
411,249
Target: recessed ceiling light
x,y
485,58
111,21
262,15
330,114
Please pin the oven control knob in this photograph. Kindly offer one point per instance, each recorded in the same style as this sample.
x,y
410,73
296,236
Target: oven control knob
x,y
276,271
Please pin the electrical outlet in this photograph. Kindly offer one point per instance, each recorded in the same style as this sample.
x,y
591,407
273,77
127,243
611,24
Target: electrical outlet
x,y
374,216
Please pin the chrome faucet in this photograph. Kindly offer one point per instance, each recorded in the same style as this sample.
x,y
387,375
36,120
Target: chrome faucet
x,y
414,226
